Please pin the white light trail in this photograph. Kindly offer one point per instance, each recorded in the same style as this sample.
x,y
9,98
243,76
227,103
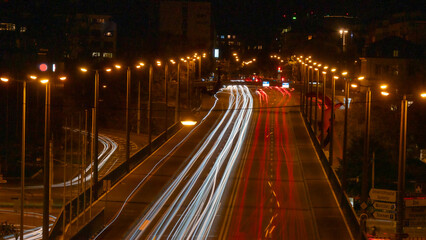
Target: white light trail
x,y
194,220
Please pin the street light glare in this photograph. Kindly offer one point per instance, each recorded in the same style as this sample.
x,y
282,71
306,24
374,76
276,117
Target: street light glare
x,y
385,93
189,123
361,78
158,63
141,64
344,73
333,70
117,66
83,69
423,95
325,67
324,72
44,81
63,78
336,77
384,86
354,85
4,79
108,70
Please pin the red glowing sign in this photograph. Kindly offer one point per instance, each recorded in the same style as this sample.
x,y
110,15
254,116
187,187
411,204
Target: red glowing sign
x,y
43,67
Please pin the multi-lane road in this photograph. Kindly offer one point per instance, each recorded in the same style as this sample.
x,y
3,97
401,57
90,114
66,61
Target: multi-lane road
x,y
248,170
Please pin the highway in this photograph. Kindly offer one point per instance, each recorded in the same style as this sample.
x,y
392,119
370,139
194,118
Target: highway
x,y
280,190
248,170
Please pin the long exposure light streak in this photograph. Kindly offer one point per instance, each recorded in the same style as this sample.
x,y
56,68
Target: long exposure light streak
x,y
195,219
155,167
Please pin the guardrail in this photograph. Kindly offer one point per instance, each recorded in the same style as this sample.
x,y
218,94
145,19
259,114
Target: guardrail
x,y
114,176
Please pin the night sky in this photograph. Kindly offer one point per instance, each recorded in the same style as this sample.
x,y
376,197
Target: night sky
x,y
249,19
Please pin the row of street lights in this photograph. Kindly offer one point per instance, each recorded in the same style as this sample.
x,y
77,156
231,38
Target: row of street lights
x,y
308,64
46,159
139,66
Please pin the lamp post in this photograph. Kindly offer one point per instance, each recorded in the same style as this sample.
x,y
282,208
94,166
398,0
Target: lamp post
x,y
177,107
301,66
24,107
46,159
401,165
95,130
128,75
401,169
46,163
331,133
345,126
307,92
324,82
150,107
128,93
316,100
138,125
343,33
23,150
366,153
188,86
311,86
166,76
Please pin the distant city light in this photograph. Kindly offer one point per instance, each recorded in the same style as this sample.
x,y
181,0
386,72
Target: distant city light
x,y
216,52
43,67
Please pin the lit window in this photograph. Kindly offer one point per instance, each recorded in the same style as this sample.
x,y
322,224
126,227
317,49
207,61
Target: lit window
x,y
96,54
222,36
229,36
310,37
233,36
7,27
259,47
108,34
23,29
395,53
107,55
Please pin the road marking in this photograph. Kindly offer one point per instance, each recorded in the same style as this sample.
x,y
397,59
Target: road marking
x,y
144,225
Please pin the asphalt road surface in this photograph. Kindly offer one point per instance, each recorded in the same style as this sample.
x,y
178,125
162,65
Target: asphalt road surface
x,y
248,170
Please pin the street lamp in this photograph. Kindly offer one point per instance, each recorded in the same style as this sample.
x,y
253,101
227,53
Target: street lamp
x,y
366,157
128,92
23,142
316,100
343,33
138,125
401,166
324,82
46,159
331,133
308,80
177,104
